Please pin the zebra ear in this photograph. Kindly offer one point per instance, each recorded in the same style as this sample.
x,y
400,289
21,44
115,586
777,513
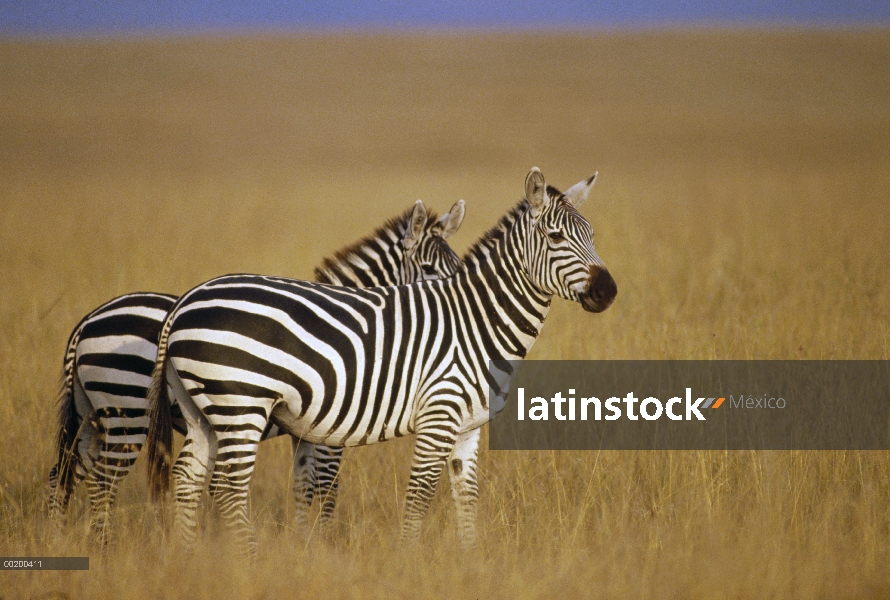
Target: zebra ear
x,y
578,193
450,221
535,190
416,224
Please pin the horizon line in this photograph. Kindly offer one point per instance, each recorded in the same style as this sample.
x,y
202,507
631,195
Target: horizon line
x,y
679,25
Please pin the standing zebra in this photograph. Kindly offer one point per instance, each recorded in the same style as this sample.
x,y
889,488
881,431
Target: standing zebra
x,y
111,353
346,367
102,403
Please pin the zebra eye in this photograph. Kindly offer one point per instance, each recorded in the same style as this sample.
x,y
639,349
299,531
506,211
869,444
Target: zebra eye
x,y
428,269
556,237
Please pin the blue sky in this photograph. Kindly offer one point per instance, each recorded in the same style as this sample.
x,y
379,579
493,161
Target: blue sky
x,y
79,17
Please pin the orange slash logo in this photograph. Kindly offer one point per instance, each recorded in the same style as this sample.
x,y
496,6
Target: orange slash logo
x,y
716,404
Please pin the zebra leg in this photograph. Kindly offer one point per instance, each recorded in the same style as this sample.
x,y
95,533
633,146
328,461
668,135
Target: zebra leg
x,y
431,449
76,461
238,437
59,495
303,484
230,485
327,467
60,491
102,491
102,487
190,471
64,479
122,432
464,485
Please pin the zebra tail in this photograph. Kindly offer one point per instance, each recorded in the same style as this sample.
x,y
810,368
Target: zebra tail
x,y
160,428
69,420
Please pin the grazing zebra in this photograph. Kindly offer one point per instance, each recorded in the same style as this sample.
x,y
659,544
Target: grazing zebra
x,y
111,353
345,367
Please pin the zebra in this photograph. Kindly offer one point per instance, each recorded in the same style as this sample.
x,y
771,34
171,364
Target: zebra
x,y
111,352
347,367
102,403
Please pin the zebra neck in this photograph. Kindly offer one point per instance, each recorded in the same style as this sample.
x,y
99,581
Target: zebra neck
x,y
513,308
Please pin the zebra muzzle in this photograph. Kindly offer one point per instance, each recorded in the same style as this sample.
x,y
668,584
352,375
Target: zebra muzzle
x,y
601,291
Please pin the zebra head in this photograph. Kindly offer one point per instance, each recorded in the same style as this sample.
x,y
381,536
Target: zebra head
x,y
426,253
559,254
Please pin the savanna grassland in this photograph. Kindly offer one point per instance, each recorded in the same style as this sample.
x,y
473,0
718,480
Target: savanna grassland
x,y
743,207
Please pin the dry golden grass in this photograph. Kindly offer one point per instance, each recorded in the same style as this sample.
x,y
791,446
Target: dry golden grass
x,y
742,208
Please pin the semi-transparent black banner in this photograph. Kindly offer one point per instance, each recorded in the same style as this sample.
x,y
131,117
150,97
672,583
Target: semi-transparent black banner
x,y
45,563
690,405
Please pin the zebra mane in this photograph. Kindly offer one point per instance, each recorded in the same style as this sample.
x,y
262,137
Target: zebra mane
x,y
390,233
490,238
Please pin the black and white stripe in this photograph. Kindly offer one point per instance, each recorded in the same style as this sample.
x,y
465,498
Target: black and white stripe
x,y
111,353
344,367
102,416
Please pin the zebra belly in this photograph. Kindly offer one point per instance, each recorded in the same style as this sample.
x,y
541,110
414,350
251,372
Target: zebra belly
x,y
288,422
